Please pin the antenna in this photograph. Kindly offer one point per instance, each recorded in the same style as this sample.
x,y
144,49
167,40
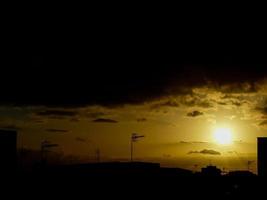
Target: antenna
x,y
195,167
224,170
45,145
97,152
134,138
250,162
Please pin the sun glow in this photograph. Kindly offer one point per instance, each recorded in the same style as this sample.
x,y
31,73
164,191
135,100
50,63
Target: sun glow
x,y
223,136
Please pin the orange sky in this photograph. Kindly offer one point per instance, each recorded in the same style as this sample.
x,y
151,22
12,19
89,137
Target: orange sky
x,y
173,126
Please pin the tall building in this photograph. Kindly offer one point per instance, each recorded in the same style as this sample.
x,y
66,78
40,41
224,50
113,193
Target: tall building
x,y
8,151
262,156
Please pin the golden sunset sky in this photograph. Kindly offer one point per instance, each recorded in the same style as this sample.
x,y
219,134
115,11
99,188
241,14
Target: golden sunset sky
x,y
177,128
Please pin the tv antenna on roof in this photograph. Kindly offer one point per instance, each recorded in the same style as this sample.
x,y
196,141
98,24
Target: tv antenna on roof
x,y
45,145
250,162
134,138
97,152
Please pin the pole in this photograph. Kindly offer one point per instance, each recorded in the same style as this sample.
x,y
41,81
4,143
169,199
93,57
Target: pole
x,y
42,155
134,138
131,149
98,155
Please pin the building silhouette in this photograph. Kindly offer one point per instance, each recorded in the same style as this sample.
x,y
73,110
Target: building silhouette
x,y
211,171
142,170
262,156
8,151
240,173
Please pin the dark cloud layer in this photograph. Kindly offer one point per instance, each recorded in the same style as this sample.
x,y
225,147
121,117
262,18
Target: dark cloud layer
x,y
114,78
79,139
263,123
263,110
103,120
192,142
205,151
141,119
168,103
52,130
193,100
39,121
74,120
94,114
51,113
195,113
11,127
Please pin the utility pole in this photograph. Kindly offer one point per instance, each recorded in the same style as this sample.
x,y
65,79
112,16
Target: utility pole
x,y
97,155
44,146
134,138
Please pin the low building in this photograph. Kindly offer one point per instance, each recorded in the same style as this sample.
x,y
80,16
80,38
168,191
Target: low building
x,y
211,171
240,174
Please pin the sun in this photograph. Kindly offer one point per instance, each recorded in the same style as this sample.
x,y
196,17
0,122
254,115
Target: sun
x,y
223,136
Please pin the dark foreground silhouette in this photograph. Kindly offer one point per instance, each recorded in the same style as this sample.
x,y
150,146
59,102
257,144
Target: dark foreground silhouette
x,y
117,179
135,180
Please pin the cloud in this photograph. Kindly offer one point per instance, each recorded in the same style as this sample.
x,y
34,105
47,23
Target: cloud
x,y
263,123
94,114
221,103
263,110
198,142
236,103
141,120
241,87
39,121
193,100
12,127
52,130
235,100
194,114
79,139
184,143
168,103
51,113
74,120
205,151
192,142
238,142
103,120
119,87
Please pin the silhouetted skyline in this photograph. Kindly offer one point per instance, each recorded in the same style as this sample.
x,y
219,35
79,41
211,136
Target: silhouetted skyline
x,y
176,104
183,107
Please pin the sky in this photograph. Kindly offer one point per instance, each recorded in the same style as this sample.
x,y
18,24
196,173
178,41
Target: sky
x,y
84,101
